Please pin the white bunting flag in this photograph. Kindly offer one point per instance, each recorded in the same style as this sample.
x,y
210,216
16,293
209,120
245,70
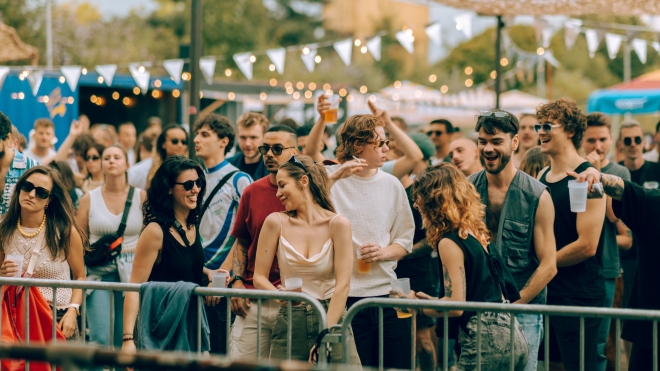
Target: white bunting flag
x,y
207,65
640,48
546,36
4,71
141,78
345,50
613,42
174,67
308,59
571,32
464,24
107,71
406,40
434,33
592,42
243,62
656,46
72,75
35,78
373,45
277,56
548,56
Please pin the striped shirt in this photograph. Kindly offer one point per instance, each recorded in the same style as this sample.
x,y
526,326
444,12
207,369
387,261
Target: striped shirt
x,y
18,167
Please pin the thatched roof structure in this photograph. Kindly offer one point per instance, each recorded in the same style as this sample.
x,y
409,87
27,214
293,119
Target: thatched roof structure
x,y
13,49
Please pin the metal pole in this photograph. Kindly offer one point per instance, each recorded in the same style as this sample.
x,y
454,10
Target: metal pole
x,y
540,78
49,33
626,61
195,55
498,57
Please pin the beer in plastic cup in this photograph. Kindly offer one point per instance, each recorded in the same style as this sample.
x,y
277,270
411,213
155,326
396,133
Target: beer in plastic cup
x,y
18,259
219,280
651,185
294,285
330,116
577,192
402,285
363,266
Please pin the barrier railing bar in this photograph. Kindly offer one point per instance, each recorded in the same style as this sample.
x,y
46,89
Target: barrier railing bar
x,y
413,340
617,337
200,308
258,329
228,328
83,316
581,343
380,338
513,345
478,341
655,345
53,332
112,320
445,340
289,325
27,321
546,342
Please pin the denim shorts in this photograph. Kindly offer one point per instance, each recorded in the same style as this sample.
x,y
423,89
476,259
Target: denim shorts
x,y
305,329
495,343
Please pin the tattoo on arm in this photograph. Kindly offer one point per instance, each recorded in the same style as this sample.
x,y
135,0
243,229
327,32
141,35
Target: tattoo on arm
x,y
447,279
239,260
612,185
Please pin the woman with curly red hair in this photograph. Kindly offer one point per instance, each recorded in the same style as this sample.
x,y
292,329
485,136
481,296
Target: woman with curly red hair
x,y
453,216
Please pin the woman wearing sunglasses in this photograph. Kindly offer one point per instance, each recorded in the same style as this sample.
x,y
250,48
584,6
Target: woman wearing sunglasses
x,y
172,141
453,215
307,239
100,213
95,177
40,225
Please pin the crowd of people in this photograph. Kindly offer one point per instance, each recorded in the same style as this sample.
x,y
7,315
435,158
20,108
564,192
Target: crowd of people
x,y
487,221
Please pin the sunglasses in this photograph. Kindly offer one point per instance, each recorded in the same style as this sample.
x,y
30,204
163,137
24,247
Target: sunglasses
x,y
380,143
176,141
498,114
293,160
40,192
627,141
93,158
188,184
436,132
277,149
547,127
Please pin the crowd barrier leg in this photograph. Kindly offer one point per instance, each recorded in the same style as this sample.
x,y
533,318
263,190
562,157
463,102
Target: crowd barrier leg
x,y
513,343
83,316
380,338
228,328
581,343
445,341
259,302
655,345
617,338
546,342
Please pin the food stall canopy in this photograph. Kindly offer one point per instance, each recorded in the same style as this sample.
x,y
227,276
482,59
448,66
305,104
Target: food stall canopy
x,y
639,96
556,7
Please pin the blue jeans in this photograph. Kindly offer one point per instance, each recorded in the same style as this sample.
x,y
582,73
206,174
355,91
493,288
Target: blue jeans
x,y
532,325
98,314
604,328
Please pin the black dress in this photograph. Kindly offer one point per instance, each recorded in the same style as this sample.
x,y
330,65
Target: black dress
x,y
178,262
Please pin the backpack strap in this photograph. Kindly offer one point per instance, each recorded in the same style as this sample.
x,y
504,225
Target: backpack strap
x,y
215,190
127,209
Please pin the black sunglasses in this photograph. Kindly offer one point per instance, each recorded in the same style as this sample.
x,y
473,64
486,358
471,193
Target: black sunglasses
x,y
627,141
547,127
175,141
436,132
293,160
277,149
380,143
40,192
498,114
93,158
188,184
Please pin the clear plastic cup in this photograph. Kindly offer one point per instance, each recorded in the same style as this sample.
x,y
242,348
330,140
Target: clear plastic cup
x,y
293,284
363,266
330,116
18,259
577,191
219,280
402,285
651,185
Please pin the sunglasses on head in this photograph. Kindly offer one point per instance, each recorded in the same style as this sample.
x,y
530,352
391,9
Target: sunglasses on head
x,y
40,192
498,114
93,158
175,141
380,143
547,127
188,184
627,141
277,149
293,160
436,132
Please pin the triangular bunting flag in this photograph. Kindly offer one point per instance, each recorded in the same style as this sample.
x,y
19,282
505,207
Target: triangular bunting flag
x,y
373,45
207,65
571,32
406,40
141,78
640,48
277,56
174,67
464,24
107,71
548,56
546,37
613,42
656,46
4,71
308,59
433,32
35,78
592,42
345,49
72,75
243,62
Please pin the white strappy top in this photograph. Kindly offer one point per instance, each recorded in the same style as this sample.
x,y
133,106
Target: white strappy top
x,y
317,272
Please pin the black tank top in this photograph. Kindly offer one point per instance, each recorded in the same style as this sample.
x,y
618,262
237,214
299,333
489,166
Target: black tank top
x,y
582,280
178,262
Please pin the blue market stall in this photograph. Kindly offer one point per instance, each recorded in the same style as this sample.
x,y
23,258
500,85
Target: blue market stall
x,y
640,96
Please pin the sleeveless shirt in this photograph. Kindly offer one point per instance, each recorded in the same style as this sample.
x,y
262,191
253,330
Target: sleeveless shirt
x,y
102,222
178,262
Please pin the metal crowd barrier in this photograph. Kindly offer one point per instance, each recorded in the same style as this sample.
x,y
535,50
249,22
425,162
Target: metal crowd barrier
x,y
200,292
479,308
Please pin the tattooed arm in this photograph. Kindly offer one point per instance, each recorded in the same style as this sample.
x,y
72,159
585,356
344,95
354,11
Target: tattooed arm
x,y
612,184
239,263
453,274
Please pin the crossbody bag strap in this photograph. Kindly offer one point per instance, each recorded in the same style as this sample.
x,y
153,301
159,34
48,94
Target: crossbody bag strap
x,y
215,190
127,209
182,232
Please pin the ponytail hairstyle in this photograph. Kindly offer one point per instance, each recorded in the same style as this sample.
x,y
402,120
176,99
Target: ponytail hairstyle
x,y
300,165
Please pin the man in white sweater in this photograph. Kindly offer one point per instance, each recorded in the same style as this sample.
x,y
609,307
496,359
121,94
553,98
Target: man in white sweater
x,y
383,227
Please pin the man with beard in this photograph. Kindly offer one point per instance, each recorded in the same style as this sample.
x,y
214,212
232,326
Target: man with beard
x,y
579,280
12,163
251,128
519,215
528,137
465,156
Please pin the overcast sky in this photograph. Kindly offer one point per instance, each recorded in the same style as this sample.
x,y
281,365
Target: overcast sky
x,y
120,7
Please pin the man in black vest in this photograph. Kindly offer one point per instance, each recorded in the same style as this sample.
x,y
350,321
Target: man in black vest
x,y
519,215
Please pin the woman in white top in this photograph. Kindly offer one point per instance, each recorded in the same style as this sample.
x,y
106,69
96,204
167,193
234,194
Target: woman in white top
x,y
100,214
40,225
307,239
95,177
